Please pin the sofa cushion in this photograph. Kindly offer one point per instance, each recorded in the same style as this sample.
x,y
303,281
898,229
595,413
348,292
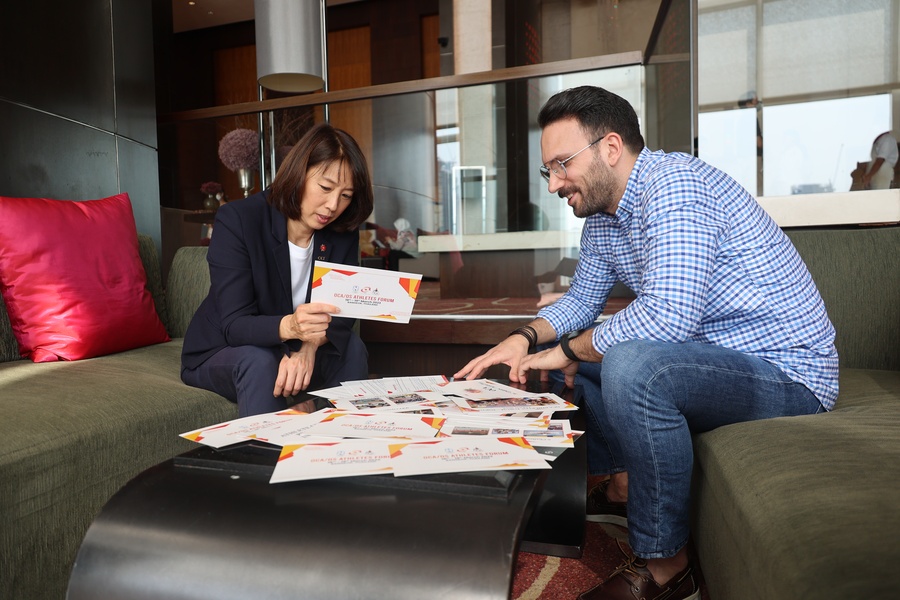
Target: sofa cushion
x,y
75,432
804,507
72,278
856,272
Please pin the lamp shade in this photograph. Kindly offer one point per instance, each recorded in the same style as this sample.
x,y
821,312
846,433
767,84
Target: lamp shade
x,y
289,46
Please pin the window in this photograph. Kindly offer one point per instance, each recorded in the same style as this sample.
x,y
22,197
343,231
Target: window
x,y
824,72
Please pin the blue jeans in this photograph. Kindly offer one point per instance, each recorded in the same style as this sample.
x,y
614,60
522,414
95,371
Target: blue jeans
x,y
654,396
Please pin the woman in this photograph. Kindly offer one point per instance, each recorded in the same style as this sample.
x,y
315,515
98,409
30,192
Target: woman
x,y
256,339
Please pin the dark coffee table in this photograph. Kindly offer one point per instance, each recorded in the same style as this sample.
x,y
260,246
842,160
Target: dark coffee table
x,y
207,524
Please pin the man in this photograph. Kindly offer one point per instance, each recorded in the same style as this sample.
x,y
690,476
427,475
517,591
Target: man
x,y
880,172
727,325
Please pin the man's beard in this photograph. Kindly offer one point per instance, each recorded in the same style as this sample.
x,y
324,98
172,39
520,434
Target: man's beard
x,y
599,191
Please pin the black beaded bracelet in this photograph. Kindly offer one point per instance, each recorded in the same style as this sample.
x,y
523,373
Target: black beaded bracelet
x,y
528,333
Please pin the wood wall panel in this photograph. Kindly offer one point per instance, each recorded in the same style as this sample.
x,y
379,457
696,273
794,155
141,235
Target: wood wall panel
x,y
493,274
350,66
234,76
447,331
349,58
234,72
397,34
370,42
408,360
431,49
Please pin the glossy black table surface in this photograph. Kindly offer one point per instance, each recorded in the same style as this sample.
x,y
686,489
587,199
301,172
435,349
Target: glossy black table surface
x,y
207,524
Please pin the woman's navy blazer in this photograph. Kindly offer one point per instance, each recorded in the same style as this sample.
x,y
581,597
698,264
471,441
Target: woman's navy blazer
x,y
250,275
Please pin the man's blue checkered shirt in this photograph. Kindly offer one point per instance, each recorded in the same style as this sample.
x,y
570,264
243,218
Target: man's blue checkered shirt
x,y
708,265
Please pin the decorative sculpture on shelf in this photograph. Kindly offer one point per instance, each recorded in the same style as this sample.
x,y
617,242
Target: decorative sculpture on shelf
x,y
239,151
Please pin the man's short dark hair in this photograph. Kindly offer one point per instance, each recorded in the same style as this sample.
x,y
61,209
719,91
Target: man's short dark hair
x,y
597,111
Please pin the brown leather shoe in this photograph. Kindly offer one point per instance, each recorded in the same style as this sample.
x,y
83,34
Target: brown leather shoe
x,y
601,510
632,581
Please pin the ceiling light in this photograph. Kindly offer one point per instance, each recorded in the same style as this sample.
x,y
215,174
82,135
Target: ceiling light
x,y
289,46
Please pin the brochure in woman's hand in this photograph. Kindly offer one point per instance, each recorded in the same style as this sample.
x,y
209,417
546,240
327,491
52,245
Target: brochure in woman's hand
x,y
362,293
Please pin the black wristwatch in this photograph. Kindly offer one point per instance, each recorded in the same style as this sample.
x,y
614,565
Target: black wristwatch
x,y
564,344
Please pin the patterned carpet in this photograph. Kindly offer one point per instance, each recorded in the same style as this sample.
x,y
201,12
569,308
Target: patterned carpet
x,y
539,577
550,577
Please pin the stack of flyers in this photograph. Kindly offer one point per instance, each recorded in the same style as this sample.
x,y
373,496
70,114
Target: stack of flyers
x,y
407,426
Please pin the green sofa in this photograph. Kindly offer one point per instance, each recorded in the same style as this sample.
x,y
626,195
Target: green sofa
x,y
804,507
809,507
73,433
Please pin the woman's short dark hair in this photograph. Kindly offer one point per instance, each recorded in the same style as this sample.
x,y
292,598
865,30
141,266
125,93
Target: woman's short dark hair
x,y
323,145
597,111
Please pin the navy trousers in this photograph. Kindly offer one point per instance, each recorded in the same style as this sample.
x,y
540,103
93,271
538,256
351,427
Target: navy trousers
x,y
246,374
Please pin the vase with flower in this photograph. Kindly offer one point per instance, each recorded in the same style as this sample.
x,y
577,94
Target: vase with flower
x,y
212,189
239,151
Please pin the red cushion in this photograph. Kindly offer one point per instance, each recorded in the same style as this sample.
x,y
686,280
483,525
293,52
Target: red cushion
x,y
72,278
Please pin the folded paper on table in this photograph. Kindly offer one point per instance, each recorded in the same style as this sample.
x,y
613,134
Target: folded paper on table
x,y
299,462
377,425
451,455
361,293
254,427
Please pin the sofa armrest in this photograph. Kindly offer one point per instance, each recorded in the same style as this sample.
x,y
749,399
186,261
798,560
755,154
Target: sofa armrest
x,y
9,347
150,260
187,286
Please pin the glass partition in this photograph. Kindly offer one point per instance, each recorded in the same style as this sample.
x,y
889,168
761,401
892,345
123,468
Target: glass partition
x,y
454,162
454,158
458,194
453,174
445,161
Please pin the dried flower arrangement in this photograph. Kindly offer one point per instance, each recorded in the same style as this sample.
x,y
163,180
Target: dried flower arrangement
x,y
239,149
211,188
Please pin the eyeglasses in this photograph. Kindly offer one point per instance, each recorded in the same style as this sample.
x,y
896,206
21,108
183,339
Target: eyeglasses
x,y
560,169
